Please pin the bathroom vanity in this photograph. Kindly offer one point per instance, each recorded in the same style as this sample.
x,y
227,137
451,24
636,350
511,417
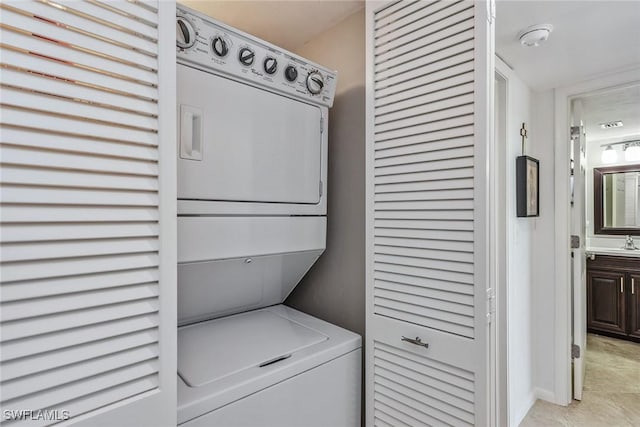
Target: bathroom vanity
x,y
613,293
613,265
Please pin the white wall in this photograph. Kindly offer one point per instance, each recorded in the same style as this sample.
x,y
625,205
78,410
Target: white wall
x,y
543,254
519,252
530,253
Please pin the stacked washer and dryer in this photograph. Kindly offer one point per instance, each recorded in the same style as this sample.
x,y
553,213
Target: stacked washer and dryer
x,y
252,205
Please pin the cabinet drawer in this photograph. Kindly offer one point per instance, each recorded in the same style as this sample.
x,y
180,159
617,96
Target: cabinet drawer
x,y
614,263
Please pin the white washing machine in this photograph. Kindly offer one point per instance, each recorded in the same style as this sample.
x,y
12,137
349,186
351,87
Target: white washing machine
x,y
252,168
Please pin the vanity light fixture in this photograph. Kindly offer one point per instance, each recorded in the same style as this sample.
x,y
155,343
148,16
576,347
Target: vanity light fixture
x,y
632,152
535,34
609,155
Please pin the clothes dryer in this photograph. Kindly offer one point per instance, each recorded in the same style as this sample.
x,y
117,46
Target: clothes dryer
x,y
252,188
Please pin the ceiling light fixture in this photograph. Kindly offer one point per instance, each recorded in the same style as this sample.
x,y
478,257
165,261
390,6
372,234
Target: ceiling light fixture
x,y
609,155
632,152
535,34
609,125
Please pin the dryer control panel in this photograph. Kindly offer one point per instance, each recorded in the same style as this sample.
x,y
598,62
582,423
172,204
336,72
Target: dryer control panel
x,y
209,45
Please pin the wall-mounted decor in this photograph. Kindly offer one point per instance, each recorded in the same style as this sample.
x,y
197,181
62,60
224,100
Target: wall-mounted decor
x,y
527,184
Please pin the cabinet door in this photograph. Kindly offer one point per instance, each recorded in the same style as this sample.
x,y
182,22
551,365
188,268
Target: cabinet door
x,y
430,80
88,213
606,302
633,298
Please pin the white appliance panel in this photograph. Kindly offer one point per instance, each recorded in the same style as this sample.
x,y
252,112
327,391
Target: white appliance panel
x,y
242,341
327,395
204,32
231,264
317,388
207,238
239,143
219,288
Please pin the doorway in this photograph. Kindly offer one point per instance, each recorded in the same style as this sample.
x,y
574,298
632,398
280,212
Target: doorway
x,y
541,346
605,207
563,295
607,393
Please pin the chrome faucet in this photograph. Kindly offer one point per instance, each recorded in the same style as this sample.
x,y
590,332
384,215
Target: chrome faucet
x,y
628,243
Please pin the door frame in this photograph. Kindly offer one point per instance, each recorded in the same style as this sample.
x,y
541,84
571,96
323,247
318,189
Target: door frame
x,y
499,242
577,221
563,298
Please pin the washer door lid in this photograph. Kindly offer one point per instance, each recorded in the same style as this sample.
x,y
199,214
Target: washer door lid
x,y
210,351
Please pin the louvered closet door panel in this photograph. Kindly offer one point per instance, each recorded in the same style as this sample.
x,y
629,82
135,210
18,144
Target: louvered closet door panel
x,y
428,66
87,193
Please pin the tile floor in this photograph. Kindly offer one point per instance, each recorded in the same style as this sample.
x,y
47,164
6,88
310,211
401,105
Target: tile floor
x,y
611,395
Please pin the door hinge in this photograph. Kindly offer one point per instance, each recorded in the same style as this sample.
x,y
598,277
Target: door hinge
x,y
491,305
320,189
575,351
321,124
575,132
575,242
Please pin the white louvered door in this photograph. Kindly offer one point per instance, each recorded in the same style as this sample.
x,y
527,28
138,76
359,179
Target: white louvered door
x,y
88,247
429,87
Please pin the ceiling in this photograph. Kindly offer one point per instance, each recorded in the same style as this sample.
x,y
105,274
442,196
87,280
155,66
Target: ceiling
x,y
288,24
589,38
619,104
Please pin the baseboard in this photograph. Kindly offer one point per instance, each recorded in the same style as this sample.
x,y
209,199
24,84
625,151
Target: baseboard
x,y
518,414
546,395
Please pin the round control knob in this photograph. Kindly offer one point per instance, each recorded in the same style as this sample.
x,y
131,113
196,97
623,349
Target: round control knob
x,y
185,33
315,82
219,46
246,56
270,65
290,73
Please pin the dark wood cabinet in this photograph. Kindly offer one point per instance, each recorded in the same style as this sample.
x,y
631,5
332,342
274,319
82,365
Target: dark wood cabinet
x,y
634,305
613,297
606,301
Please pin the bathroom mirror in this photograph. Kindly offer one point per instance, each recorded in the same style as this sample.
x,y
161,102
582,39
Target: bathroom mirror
x,y
617,200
